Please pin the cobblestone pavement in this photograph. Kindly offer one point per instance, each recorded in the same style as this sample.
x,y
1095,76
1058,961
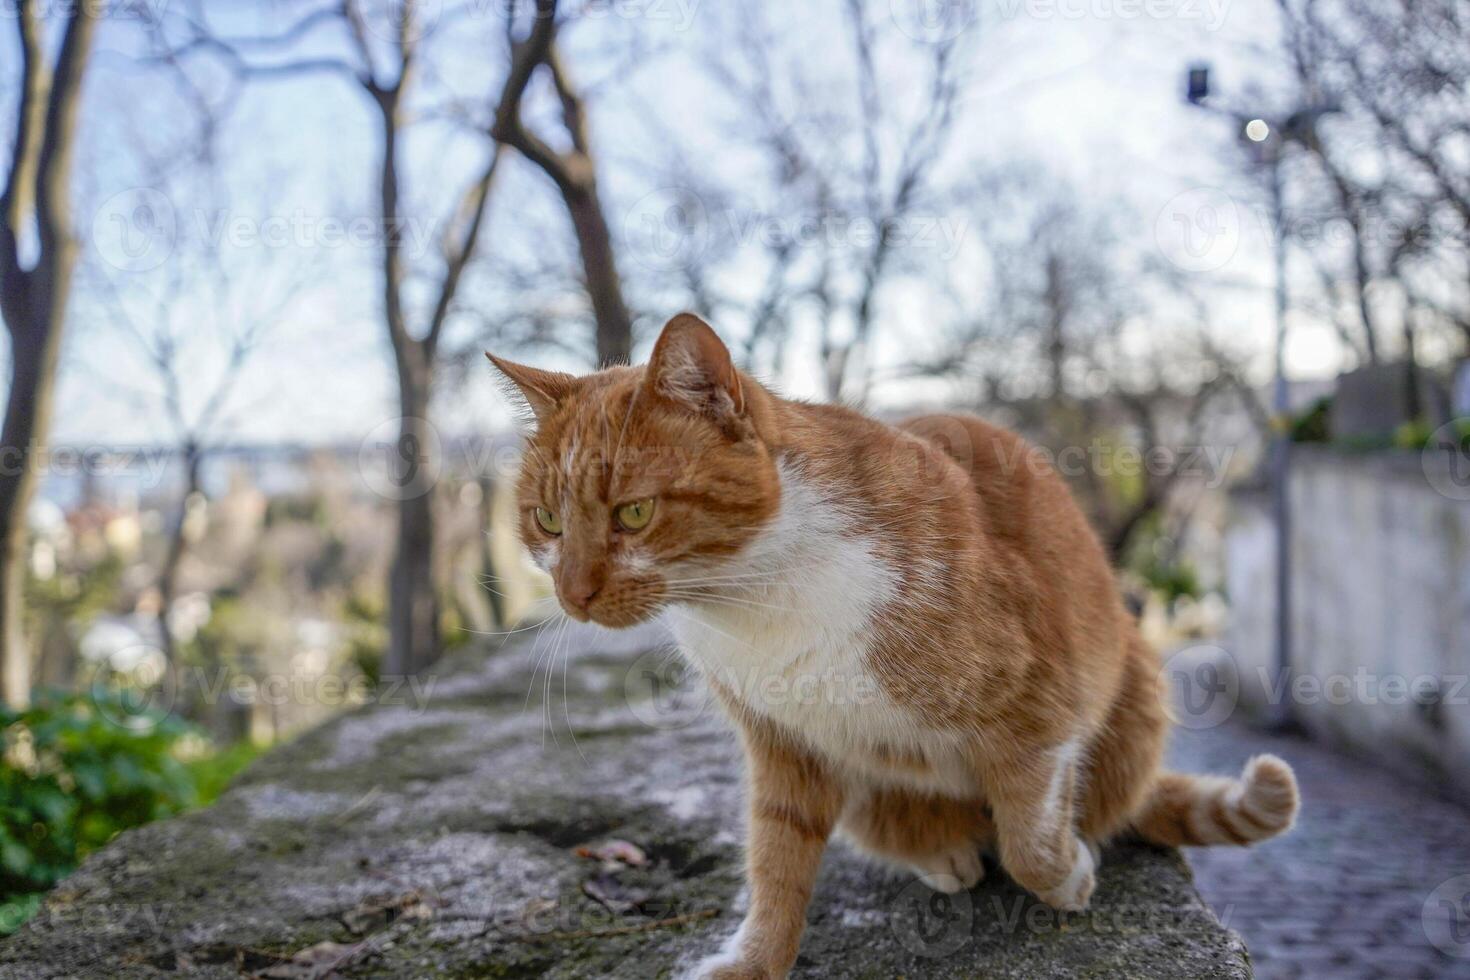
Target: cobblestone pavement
x,y
1351,892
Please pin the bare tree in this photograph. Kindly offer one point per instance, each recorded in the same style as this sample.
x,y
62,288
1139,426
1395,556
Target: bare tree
x,y
1084,347
197,322
1388,163
387,74
572,171
850,177
33,298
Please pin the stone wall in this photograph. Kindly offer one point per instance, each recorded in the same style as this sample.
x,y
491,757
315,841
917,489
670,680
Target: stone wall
x,y
1380,607
567,806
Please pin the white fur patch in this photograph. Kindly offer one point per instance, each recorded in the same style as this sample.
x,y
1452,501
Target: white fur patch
x,y
546,556
1064,760
728,956
569,459
791,634
637,561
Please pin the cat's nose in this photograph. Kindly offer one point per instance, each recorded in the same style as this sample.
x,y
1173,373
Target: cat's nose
x,y
580,589
582,597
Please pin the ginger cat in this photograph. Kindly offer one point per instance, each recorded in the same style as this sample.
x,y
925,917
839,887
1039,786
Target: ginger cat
x,y
914,628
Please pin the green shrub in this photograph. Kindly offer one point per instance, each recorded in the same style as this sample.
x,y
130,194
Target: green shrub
x,y
212,773
72,779
1152,556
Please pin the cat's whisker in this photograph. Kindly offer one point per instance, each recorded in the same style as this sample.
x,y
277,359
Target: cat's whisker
x,y
763,574
483,581
566,711
772,573
510,632
725,600
546,686
547,723
536,662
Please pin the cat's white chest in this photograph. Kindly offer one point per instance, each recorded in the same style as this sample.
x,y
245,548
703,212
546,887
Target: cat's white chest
x,y
796,649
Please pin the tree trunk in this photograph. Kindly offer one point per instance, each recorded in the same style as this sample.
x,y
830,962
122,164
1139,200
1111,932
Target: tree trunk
x,y
604,288
33,302
413,615
168,579
35,347
575,175
1056,308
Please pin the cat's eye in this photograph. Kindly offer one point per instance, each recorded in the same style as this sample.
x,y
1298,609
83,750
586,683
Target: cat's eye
x,y
634,516
549,522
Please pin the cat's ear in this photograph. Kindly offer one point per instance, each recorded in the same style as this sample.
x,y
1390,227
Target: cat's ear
x,y
542,390
690,365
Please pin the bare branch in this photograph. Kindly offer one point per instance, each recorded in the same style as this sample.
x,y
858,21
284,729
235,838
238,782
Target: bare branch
x,y
526,57
458,255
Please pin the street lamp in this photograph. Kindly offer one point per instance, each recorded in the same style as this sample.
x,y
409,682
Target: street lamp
x,y
1265,139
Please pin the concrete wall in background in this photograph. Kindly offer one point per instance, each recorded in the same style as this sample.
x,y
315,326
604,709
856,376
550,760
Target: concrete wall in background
x,y
1381,608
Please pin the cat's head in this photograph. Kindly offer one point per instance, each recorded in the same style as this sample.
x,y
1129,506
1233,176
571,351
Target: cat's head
x,y
640,481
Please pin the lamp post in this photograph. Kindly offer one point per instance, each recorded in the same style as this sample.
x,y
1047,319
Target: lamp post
x,y
1265,140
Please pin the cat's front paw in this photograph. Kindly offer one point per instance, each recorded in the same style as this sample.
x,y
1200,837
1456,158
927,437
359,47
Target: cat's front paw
x,y
731,966
1073,894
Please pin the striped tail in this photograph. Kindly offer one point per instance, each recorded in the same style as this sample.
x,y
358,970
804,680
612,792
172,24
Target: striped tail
x,y
1198,810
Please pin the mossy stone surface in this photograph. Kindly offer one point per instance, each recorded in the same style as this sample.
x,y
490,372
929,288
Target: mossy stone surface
x,y
441,833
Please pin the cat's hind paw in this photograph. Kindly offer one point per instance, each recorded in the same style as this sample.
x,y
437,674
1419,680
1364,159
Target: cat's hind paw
x,y
953,871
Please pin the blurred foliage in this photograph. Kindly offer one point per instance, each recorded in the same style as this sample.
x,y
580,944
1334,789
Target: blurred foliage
x,y
226,636
330,565
77,771
454,632
72,595
213,773
363,618
1125,485
305,508
1153,556
1314,424
1419,434
1413,435
1173,579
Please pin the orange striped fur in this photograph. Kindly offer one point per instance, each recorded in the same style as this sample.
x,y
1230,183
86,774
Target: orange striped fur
x,y
914,628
